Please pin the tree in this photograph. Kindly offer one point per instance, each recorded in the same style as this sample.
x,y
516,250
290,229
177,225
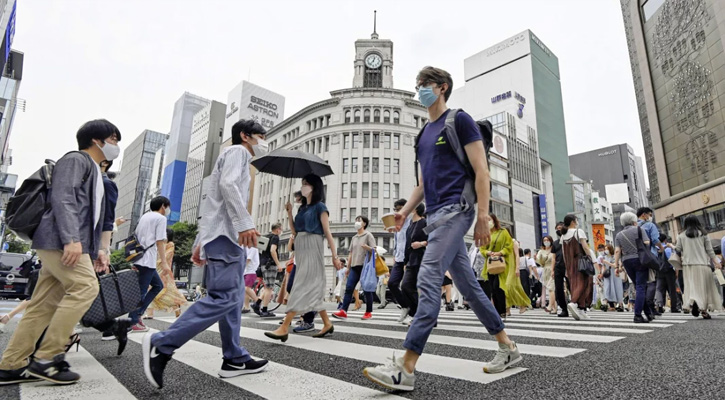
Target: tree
x,y
118,260
184,237
16,245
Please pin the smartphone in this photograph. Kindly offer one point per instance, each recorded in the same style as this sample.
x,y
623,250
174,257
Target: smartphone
x,y
262,244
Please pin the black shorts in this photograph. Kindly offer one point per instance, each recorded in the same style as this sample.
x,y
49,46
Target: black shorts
x,y
447,281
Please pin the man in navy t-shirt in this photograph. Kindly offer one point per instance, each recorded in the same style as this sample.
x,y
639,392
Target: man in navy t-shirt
x,y
442,181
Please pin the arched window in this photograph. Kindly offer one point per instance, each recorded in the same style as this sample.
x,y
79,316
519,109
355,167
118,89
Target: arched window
x,y
376,116
357,115
386,116
396,117
348,114
367,115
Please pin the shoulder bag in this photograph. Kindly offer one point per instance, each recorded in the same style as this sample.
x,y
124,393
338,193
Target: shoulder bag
x,y
584,262
645,256
496,264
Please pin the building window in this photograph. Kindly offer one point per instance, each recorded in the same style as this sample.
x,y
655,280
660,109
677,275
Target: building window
x,y
355,140
347,116
386,139
366,165
341,243
376,165
375,192
396,117
366,141
396,142
376,116
354,165
353,213
344,190
374,214
365,190
499,174
357,115
396,166
396,192
346,141
327,143
345,165
500,192
386,190
386,211
343,215
386,166
376,140
386,116
367,115
353,190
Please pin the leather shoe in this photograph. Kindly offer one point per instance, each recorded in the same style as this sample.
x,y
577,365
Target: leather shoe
x,y
282,338
120,331
322,334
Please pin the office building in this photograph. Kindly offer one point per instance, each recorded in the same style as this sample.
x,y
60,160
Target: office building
x,y
594,212
12,75
520,77
177,151
678,71
612,165
206,139
250,101
135,180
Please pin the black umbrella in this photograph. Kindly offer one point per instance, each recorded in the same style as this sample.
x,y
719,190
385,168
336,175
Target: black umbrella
x,y
292,164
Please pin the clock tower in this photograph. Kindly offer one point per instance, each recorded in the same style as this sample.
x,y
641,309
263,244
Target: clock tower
x,y
373,62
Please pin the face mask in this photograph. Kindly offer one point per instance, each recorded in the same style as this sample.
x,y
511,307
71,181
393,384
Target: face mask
x,y
261,148
110,151
358,225
558,232
547,244
306,190
167,211
607,252
490,224
427,97
649,219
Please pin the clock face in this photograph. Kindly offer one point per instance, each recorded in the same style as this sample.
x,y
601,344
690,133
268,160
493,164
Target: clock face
x,y
373,61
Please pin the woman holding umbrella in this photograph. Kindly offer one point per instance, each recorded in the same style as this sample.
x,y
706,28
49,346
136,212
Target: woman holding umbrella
x,y
311,227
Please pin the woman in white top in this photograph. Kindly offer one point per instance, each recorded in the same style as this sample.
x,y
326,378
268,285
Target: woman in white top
x,y
574,246
546,258
701,294
613,287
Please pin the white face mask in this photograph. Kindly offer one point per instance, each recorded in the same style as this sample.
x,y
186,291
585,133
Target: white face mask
x,y
110,151
649,219
547,243
167,211
490,224
607,252
358,225
261,148
306,190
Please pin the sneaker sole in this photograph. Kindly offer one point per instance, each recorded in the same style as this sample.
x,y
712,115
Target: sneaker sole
x,y
232,374
340,318
108,339
507,366
45,378
372,379
146,346
573,312
24,380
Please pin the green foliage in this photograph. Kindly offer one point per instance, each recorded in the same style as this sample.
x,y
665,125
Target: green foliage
x,y
118,260
184,237
16,245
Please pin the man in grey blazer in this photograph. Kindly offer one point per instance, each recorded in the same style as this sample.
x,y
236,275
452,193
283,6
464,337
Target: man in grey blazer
x,y
67,241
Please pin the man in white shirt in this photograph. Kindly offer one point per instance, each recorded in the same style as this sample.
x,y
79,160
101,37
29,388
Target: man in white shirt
x,y
250,276
151,234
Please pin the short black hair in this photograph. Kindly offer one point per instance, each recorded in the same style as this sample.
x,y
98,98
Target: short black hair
x,y
663,237
318,188
400,203
364,219
420,209
643,210
521,252
158,202
111,175
99,129
169,234
276,226
247,127
527,251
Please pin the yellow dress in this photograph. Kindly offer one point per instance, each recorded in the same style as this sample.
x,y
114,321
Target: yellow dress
x,y
501,242
169,299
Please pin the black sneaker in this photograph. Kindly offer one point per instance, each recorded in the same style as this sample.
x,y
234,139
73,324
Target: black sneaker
x,y
267,314
57,371
256,308
231,369
638,319
14,376
108,336
154,362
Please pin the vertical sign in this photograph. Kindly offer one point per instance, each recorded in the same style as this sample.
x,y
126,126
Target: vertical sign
x,y
598,234
544,215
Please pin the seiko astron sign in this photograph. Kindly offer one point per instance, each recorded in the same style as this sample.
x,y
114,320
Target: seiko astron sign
x,y
249,101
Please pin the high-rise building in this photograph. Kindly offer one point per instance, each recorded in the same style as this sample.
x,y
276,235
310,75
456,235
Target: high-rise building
x,y
206,139
10,80
249,101
177,151
678,69
612,165
135,180
366,134
518,79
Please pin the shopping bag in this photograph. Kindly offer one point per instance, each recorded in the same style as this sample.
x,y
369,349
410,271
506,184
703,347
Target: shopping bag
x,y
381,267
368,278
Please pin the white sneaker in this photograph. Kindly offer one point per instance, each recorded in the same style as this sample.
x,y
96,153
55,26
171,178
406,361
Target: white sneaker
x,y
505,358
574,311
584,314
407,321
403,314
392,375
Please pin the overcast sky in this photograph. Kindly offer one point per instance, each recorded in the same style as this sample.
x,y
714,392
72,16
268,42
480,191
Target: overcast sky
x,y
129,61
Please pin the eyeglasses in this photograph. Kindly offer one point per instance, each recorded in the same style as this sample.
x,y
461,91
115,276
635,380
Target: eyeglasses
x,y
424,84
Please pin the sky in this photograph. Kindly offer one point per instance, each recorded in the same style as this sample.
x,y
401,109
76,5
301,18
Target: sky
x,y
129,61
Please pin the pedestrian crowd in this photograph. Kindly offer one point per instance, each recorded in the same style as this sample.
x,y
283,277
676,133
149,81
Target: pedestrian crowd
x,y
643,271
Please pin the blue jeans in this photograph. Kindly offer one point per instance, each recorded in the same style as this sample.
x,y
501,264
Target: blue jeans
x,y
223,304
352,281
639,275
307,317
446,251
146,277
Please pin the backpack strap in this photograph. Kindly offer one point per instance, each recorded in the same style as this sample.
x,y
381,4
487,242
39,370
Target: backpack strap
x,y
468,197
415,147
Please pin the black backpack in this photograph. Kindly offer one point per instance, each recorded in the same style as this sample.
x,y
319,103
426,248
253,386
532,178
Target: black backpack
x,y
26,208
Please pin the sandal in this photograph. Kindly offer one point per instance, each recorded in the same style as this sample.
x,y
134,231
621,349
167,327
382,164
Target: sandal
x,y
705,315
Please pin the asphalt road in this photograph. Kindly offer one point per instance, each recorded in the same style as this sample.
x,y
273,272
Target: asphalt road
x,y
608,357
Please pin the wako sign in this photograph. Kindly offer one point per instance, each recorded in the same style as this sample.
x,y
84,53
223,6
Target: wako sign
x,y
249,101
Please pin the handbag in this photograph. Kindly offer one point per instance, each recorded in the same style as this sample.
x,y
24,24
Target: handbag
x,y
119,293
675,260
646,258
584,263
368,279
381,267
607,272
496,264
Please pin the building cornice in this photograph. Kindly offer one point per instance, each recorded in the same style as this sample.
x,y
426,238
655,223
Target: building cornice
x,y
365,92
299,115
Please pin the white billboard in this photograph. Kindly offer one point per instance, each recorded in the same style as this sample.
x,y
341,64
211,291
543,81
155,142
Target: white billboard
x,y
249,101
617,193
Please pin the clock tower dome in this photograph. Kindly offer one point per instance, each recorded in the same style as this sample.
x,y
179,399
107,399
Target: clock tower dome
x,y
373,62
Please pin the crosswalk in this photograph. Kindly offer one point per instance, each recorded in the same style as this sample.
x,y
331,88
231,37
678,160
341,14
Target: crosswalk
x,y
330,368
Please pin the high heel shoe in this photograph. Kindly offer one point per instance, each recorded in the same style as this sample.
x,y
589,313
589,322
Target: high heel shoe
x,y
74,340
272,335
322,334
